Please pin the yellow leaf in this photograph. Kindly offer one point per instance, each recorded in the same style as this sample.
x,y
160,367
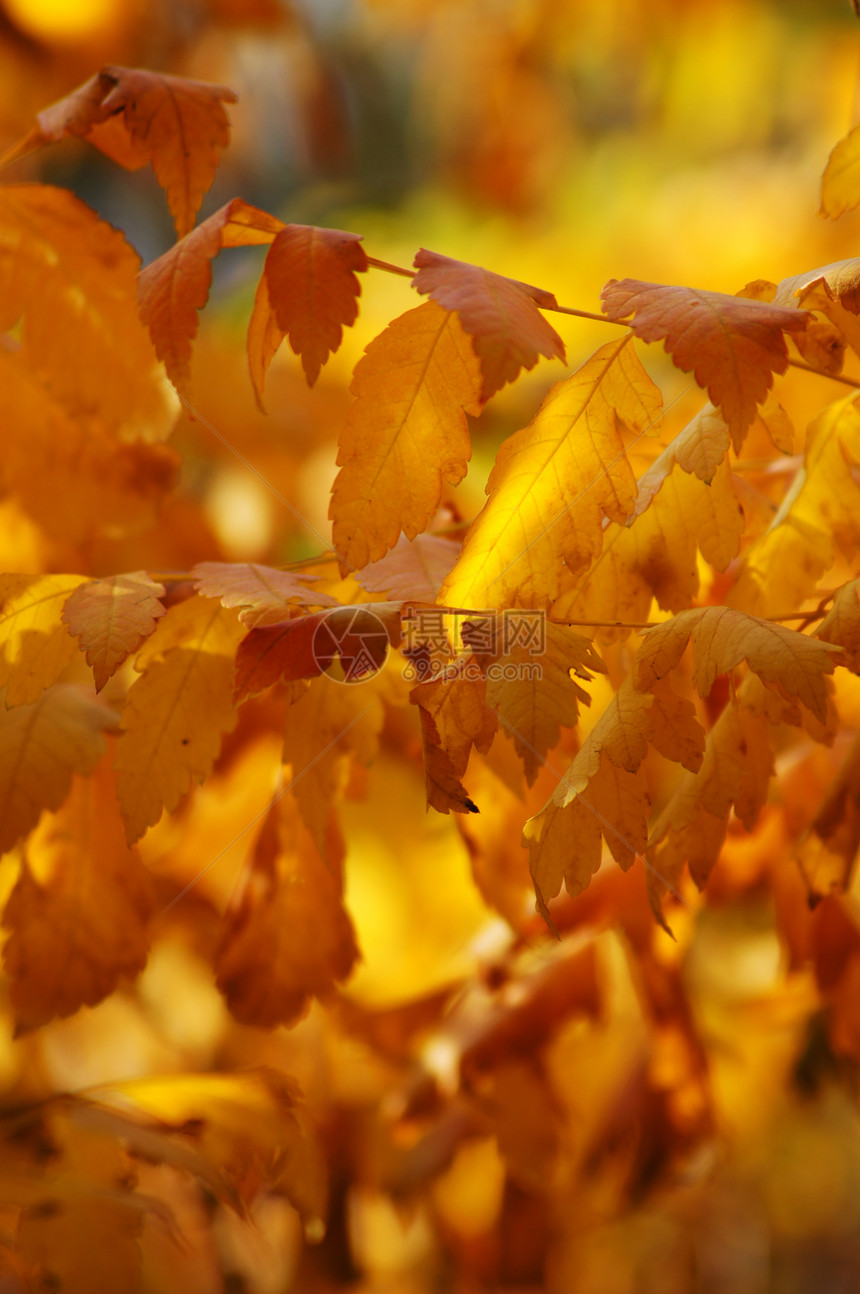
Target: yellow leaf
x,y
78,914
841,625
111,617
73,278
287,938
405,434
35,645
840,183
177,711
565,838
829,850
552,484
41,746
790,662
656,555
603,793
834,292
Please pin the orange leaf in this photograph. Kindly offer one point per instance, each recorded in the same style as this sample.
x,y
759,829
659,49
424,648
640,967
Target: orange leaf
x,y
110,619
311,293
731,345
78,914
500,315
173,288
413,570
454,717
406,432
136,116
790,662
267,978
41,746
263,593
353,639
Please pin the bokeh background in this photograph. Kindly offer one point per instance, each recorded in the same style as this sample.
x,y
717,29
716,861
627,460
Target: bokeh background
x,y
562,142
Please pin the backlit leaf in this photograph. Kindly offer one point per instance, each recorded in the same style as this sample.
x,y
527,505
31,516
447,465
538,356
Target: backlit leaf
x,y
41,746
552,484
500,315
840,183
791,662
111,617
35,644
177,711
406,433
731,345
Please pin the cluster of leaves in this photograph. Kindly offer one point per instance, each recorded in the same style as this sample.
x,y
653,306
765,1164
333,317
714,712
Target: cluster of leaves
x,y
121,690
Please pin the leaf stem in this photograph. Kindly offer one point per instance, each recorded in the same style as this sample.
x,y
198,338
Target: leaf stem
x,y
587,314
834,377
389,268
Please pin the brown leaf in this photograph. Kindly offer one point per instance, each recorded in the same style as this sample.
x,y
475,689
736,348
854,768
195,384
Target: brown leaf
x,y
501,315
173,288
413,570
310,295
77,917
136,116
288,937
266,595
454,717
731,345
352,639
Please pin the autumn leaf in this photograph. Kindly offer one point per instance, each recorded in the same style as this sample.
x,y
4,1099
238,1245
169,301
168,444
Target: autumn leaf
x,y
841,625
454,718
352,639
177,711
534,693
820,517
413,570
603,794
732,346
834,292
72,280
173,288
35,645
223,1127
118,487
287,937
136,116
791,663
308,293
405,434
41,746
657,553
840,183
500,315
828,852
325,730
552,484
264,594
111,617
77,917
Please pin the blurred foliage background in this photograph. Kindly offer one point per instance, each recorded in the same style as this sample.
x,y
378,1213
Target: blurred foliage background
x,y
563,142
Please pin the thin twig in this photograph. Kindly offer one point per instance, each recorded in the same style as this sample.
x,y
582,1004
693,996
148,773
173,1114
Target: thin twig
x,y
835,377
